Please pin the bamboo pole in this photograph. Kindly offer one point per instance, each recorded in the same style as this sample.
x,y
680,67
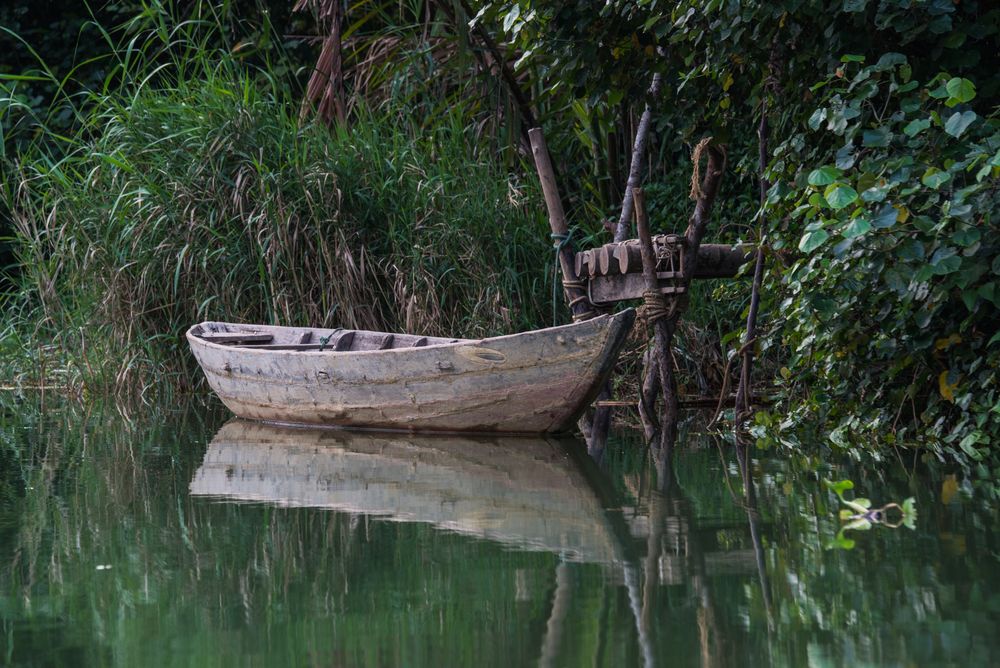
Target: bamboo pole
x,y
576,294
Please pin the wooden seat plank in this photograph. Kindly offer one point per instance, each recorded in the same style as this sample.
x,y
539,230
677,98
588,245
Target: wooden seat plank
x,y
236,337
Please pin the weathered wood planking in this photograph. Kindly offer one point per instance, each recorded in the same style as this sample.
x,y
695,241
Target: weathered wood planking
x,y
534,382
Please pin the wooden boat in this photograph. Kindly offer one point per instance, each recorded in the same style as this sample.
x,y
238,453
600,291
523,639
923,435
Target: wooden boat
x,y
525,493
534,382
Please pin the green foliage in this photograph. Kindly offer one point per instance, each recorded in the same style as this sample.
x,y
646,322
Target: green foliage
x,y
883,165
195,194
894,315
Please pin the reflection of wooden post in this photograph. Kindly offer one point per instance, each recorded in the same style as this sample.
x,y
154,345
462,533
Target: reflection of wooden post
x,y
576,295
557,617
750,496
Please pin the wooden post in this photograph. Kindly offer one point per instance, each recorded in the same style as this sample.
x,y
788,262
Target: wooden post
x,y
638,155
657,310
576,294
704,190
744,390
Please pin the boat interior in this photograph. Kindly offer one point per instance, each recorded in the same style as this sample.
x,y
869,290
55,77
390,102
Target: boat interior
x,y
265,337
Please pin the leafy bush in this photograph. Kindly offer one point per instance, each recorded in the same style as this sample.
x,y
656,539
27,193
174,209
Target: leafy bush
x,y
893,311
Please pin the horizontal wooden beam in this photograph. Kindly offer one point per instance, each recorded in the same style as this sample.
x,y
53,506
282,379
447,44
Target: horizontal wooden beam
x,y
714,261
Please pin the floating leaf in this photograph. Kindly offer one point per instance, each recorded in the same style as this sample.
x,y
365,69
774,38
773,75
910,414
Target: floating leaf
x,y
838,487
860,505
839,195
910,513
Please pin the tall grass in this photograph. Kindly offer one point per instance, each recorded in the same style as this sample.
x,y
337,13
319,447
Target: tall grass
x,y
191,192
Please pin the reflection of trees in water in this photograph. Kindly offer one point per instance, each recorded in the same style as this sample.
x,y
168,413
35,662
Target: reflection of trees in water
x,y
717,578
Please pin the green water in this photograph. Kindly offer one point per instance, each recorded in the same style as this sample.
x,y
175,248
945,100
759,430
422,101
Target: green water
x,y
157,539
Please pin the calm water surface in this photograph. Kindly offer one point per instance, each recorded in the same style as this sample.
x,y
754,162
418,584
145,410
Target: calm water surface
x,y
176,538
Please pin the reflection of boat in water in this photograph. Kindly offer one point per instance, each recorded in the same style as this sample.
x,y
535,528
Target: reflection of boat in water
x,y
522,492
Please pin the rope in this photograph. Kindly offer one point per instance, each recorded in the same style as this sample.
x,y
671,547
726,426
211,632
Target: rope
x,y
654,308
561,240
323,340
699,149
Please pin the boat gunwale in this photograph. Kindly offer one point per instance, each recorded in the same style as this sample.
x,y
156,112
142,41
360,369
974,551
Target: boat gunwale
x,y
192,337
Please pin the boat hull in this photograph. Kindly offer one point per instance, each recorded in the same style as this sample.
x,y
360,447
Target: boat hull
x,y
534,382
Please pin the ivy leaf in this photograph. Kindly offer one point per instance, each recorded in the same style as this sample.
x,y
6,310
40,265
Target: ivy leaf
x,y
958,123
911,249
947,266
935,178
876,138
817,118
839,195
824,176
959,91
812,240
856,228
915,127
886,217
968,445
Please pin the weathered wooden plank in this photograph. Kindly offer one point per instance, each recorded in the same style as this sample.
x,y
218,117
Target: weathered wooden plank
x,y
235,337
609,289
714,260
343,342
